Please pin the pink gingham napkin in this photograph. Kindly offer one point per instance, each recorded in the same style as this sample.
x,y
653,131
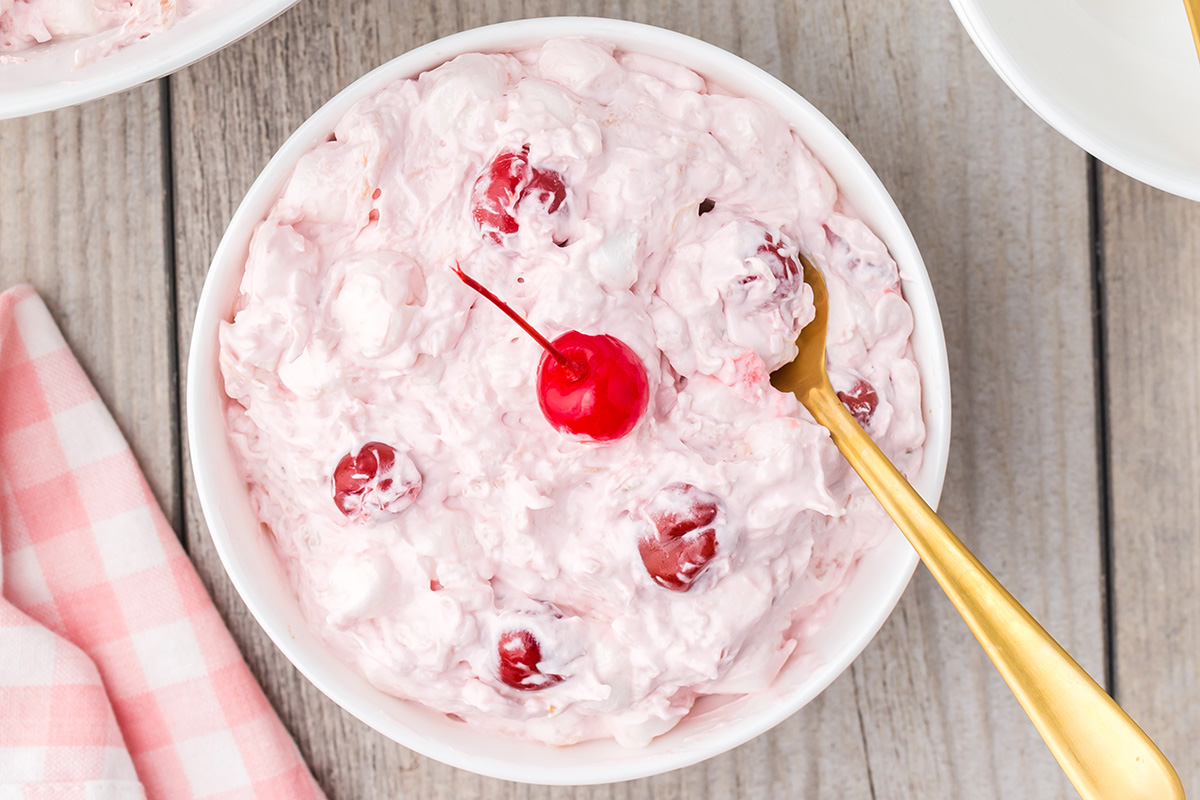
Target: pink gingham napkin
x,y
118,680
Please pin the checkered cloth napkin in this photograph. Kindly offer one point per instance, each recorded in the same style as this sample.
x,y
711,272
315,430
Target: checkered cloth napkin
x,y
118,679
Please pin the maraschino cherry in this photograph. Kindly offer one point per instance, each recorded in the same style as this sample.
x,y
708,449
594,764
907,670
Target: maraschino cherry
x,y
508,182
520,655
861,400
375,484
594,387
782,265
683,539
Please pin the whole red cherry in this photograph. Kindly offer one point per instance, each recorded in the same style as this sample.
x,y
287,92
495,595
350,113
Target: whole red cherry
x,y
520,655
508,182
683,539
600,393
375,484
861,400
591,386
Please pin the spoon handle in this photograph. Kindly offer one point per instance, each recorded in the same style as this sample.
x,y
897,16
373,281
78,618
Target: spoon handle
x,y
1193,14
1102,751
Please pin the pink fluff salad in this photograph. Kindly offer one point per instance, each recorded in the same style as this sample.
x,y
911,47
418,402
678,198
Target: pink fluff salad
x,y
490,566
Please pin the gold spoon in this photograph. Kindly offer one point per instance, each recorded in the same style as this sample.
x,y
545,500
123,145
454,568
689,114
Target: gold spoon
x,y
1103,752
1193,13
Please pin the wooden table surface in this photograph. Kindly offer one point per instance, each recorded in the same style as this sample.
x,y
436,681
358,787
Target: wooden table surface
x,y
1070,296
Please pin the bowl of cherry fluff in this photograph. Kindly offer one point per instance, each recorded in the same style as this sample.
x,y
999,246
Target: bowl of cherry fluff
x,y
480,411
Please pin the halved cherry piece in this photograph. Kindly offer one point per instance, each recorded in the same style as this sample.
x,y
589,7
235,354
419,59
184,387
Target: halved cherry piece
x,y
684,538
375,483
497,191
506,183
520,655
861,400
547,188
783,266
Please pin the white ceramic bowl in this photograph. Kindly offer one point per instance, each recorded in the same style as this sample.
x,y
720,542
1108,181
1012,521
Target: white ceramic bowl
x,y
710,729
1120,78
50,79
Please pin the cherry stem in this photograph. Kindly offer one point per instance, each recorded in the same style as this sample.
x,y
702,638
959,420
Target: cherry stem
x,y
575,367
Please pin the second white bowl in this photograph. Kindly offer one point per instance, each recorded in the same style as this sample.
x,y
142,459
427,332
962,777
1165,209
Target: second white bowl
x,y
1120,79
50,79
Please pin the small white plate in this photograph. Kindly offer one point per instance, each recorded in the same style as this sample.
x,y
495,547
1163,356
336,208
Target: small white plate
x,y
1120,78
49,78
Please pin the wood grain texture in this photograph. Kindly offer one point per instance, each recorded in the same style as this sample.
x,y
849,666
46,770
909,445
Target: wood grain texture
x,y
1152,296
82,218
999,205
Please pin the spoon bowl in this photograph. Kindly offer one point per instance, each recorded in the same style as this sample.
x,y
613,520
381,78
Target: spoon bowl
x,y
1103,752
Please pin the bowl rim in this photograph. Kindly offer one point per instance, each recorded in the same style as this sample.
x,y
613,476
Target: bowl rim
x,y
727,68
1151,171
189,40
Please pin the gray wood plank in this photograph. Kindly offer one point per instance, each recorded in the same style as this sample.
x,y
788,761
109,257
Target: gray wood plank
x,y
998,203
82,219
1152,295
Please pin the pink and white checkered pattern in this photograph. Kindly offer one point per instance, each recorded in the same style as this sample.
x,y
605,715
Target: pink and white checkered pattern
x,y
118,679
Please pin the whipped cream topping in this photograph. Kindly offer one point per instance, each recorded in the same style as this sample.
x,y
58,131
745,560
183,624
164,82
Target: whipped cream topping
x,y
27,23
530,582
